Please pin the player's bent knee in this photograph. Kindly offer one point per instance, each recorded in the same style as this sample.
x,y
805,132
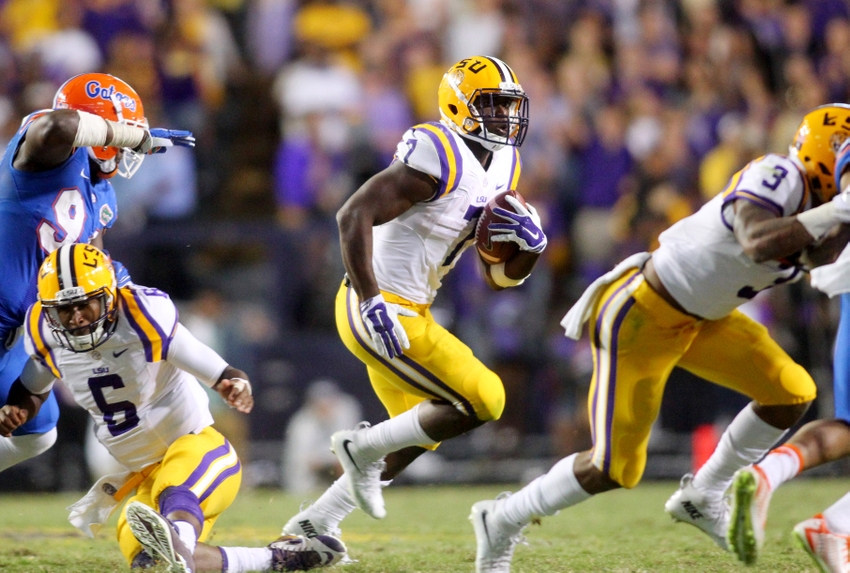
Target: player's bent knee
x,y
796,387
491,397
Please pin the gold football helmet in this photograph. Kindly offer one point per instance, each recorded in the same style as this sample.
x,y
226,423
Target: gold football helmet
x,y
72,277
480,98
818,138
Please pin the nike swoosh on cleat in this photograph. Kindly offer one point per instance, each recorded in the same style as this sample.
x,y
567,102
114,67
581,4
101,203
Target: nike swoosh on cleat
x,y
117,354
350,457
484,521
533,235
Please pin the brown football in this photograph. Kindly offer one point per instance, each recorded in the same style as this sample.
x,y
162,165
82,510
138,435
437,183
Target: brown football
x,y
492,252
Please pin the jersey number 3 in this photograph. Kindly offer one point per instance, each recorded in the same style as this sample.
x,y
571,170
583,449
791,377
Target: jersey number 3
x,y
69,218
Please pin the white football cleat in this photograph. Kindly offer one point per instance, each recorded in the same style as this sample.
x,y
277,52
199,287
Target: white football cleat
x,y
159,538
829,550
364,474
690,505
495,540
309,522
751,494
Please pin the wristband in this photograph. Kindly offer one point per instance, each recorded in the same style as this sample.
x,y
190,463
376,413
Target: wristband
x,y
497,273
91,130
819,220
126,135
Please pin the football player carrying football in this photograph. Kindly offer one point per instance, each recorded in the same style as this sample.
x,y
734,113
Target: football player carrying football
x,y
400,233
125,358
826,536
55,190
677,307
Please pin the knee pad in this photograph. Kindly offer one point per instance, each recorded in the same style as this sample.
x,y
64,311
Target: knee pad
x,y
180,498
796,384
491,397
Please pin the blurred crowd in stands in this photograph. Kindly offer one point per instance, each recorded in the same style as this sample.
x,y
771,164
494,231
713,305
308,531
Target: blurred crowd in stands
x,y
640,111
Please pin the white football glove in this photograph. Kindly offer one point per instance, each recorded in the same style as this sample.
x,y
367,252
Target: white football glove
x,y
842,206
381,320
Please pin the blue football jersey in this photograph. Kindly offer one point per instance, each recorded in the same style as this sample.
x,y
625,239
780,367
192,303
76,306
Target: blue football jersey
x,y
39,212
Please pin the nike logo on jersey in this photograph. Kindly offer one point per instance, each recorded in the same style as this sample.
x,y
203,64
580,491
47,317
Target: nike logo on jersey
x,y
83,174
350,457
499,186
117,354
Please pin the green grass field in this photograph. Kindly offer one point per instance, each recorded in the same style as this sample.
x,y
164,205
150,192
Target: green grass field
x,y
426,530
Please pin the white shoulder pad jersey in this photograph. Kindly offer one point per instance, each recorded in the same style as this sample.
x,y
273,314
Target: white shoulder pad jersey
x,y
700,261
412,253
139,401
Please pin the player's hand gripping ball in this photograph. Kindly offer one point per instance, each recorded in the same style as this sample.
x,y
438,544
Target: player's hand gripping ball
x,y
495,252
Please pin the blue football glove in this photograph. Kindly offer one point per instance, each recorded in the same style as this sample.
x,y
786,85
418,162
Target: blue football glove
x,y
160,139
381,320
842,160
523,227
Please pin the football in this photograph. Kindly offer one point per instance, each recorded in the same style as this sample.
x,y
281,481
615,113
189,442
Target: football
x,y
492,252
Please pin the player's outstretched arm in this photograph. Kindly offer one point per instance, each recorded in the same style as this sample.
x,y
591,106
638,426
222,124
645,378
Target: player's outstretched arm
x,y
766,237
49,141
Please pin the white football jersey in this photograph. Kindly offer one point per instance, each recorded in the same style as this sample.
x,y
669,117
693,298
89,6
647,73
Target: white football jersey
x,y
412,253
701,263
140,402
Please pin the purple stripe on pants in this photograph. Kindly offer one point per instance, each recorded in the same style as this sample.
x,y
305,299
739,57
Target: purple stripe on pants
x,y
612,382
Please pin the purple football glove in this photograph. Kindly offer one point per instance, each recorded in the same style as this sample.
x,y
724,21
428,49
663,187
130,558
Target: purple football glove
x,y
523,228
381,320
160,139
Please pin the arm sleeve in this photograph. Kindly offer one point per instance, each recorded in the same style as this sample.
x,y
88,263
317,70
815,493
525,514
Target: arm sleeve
x,y
188,353
37,378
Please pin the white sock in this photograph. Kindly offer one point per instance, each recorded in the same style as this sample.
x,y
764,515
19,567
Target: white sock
x,y
244,559
392,435
336,502
781,464
837,516
15,449
556,490
187,534
746,439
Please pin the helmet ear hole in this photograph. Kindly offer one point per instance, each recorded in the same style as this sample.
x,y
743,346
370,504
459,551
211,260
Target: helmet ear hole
x,y
453,108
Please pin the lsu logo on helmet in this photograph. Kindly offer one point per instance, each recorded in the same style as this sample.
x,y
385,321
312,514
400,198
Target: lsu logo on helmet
x,y
480,98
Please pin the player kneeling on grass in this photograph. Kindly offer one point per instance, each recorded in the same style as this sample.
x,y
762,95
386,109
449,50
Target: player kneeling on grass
x,y
129,362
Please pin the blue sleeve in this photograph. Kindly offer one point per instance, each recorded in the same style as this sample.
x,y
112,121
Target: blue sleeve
x,y
842,159
122,275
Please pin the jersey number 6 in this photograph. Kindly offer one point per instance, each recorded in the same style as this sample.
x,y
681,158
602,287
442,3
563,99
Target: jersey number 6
x,y
131,418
